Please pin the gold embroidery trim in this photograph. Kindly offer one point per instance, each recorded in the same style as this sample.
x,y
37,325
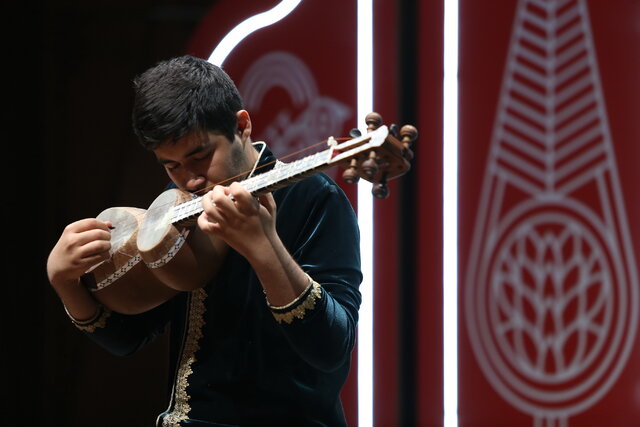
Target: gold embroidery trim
x,y
99,320
181,408
297,308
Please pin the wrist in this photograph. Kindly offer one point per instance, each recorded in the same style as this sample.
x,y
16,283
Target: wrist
x,y
300,306
63,284
98,320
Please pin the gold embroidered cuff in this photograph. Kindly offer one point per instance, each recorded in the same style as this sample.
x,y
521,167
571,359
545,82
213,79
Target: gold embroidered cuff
x,y
99,320
299,306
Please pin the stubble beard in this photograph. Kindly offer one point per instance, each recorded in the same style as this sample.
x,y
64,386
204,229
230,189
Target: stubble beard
x,y
240,163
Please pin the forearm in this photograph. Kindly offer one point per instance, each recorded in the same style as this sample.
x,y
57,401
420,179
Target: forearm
x,y
123,335
82,245
320,327
317,239
117,333
78,302
281,277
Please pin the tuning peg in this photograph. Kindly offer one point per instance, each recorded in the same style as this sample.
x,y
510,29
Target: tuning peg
x,y
355,132
409,134
350,175
381,189
370,166
373,121
393,130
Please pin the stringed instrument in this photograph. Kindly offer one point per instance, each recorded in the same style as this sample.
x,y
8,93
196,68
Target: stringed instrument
x,y
159,252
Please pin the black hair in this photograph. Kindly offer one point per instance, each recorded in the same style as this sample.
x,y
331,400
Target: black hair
x,y
182,95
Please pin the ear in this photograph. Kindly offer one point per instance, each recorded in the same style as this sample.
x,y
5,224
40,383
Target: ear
x,y
244,124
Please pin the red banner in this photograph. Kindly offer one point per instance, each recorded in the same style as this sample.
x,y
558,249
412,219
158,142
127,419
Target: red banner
x,y
429,220
297,76
549,231
298,79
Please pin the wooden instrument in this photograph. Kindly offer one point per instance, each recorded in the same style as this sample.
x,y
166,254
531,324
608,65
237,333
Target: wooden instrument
x,y
142,290
158,252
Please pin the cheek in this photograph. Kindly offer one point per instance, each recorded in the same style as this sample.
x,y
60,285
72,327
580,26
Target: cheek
x,y
219,174
175,177
238,161
218,170
181,176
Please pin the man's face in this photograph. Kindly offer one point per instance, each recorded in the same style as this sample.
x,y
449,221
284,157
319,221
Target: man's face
x,y
201,160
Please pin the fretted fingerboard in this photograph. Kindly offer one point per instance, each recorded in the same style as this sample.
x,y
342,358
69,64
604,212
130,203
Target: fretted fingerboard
x,y
280,176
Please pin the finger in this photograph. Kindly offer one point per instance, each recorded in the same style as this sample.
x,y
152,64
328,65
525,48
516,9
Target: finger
x,y
88,262
88,224
211,205
244,201
217,212
207,202
99,248
268,202
207,224
220,198
86,237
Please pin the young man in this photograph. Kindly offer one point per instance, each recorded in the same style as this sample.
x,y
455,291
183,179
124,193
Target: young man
x,y
268,340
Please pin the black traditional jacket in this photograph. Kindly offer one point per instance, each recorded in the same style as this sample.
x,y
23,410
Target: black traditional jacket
x,y
233,363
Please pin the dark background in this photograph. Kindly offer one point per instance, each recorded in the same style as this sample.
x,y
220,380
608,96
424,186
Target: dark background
x,y
70,153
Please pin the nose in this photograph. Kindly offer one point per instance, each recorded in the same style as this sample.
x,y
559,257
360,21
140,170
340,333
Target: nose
x,y
195,182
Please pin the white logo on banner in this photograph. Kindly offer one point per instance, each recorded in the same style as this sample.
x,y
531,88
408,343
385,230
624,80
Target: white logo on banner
x,y
313,118
552,286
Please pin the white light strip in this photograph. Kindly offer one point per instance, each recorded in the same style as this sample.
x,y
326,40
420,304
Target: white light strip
x,y
365,219
450,214
248,26
365,200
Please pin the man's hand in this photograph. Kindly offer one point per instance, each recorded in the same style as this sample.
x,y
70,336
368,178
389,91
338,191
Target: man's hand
x,y
246,223
82,244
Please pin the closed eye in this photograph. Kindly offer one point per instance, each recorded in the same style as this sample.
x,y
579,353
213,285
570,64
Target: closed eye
x,y
201,157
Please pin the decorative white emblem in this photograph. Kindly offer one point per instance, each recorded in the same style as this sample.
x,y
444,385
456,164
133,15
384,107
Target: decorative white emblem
x,y
292,130
551,294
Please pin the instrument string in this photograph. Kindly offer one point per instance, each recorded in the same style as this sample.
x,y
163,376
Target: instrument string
x,y
255,168
124,231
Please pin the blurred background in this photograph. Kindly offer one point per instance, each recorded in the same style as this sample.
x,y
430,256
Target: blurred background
x,y
547,231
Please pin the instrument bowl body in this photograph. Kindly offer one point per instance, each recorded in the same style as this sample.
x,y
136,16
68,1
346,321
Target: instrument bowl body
x,y
123,250
123,283
183,258
136,292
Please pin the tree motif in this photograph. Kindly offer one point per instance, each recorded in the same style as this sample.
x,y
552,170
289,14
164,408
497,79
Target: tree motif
x,y
552,301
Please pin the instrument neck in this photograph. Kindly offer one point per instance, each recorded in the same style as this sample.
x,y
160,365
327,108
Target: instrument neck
x,y
280,176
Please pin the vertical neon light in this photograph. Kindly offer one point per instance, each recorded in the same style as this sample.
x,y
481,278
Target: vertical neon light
x,y
248,26
450,214
365,200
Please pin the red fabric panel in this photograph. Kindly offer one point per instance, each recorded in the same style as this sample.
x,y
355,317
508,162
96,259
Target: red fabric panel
x,y
301,89
428,164
385,398
548,226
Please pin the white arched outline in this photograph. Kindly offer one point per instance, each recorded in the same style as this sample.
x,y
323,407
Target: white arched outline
x,y
248,26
